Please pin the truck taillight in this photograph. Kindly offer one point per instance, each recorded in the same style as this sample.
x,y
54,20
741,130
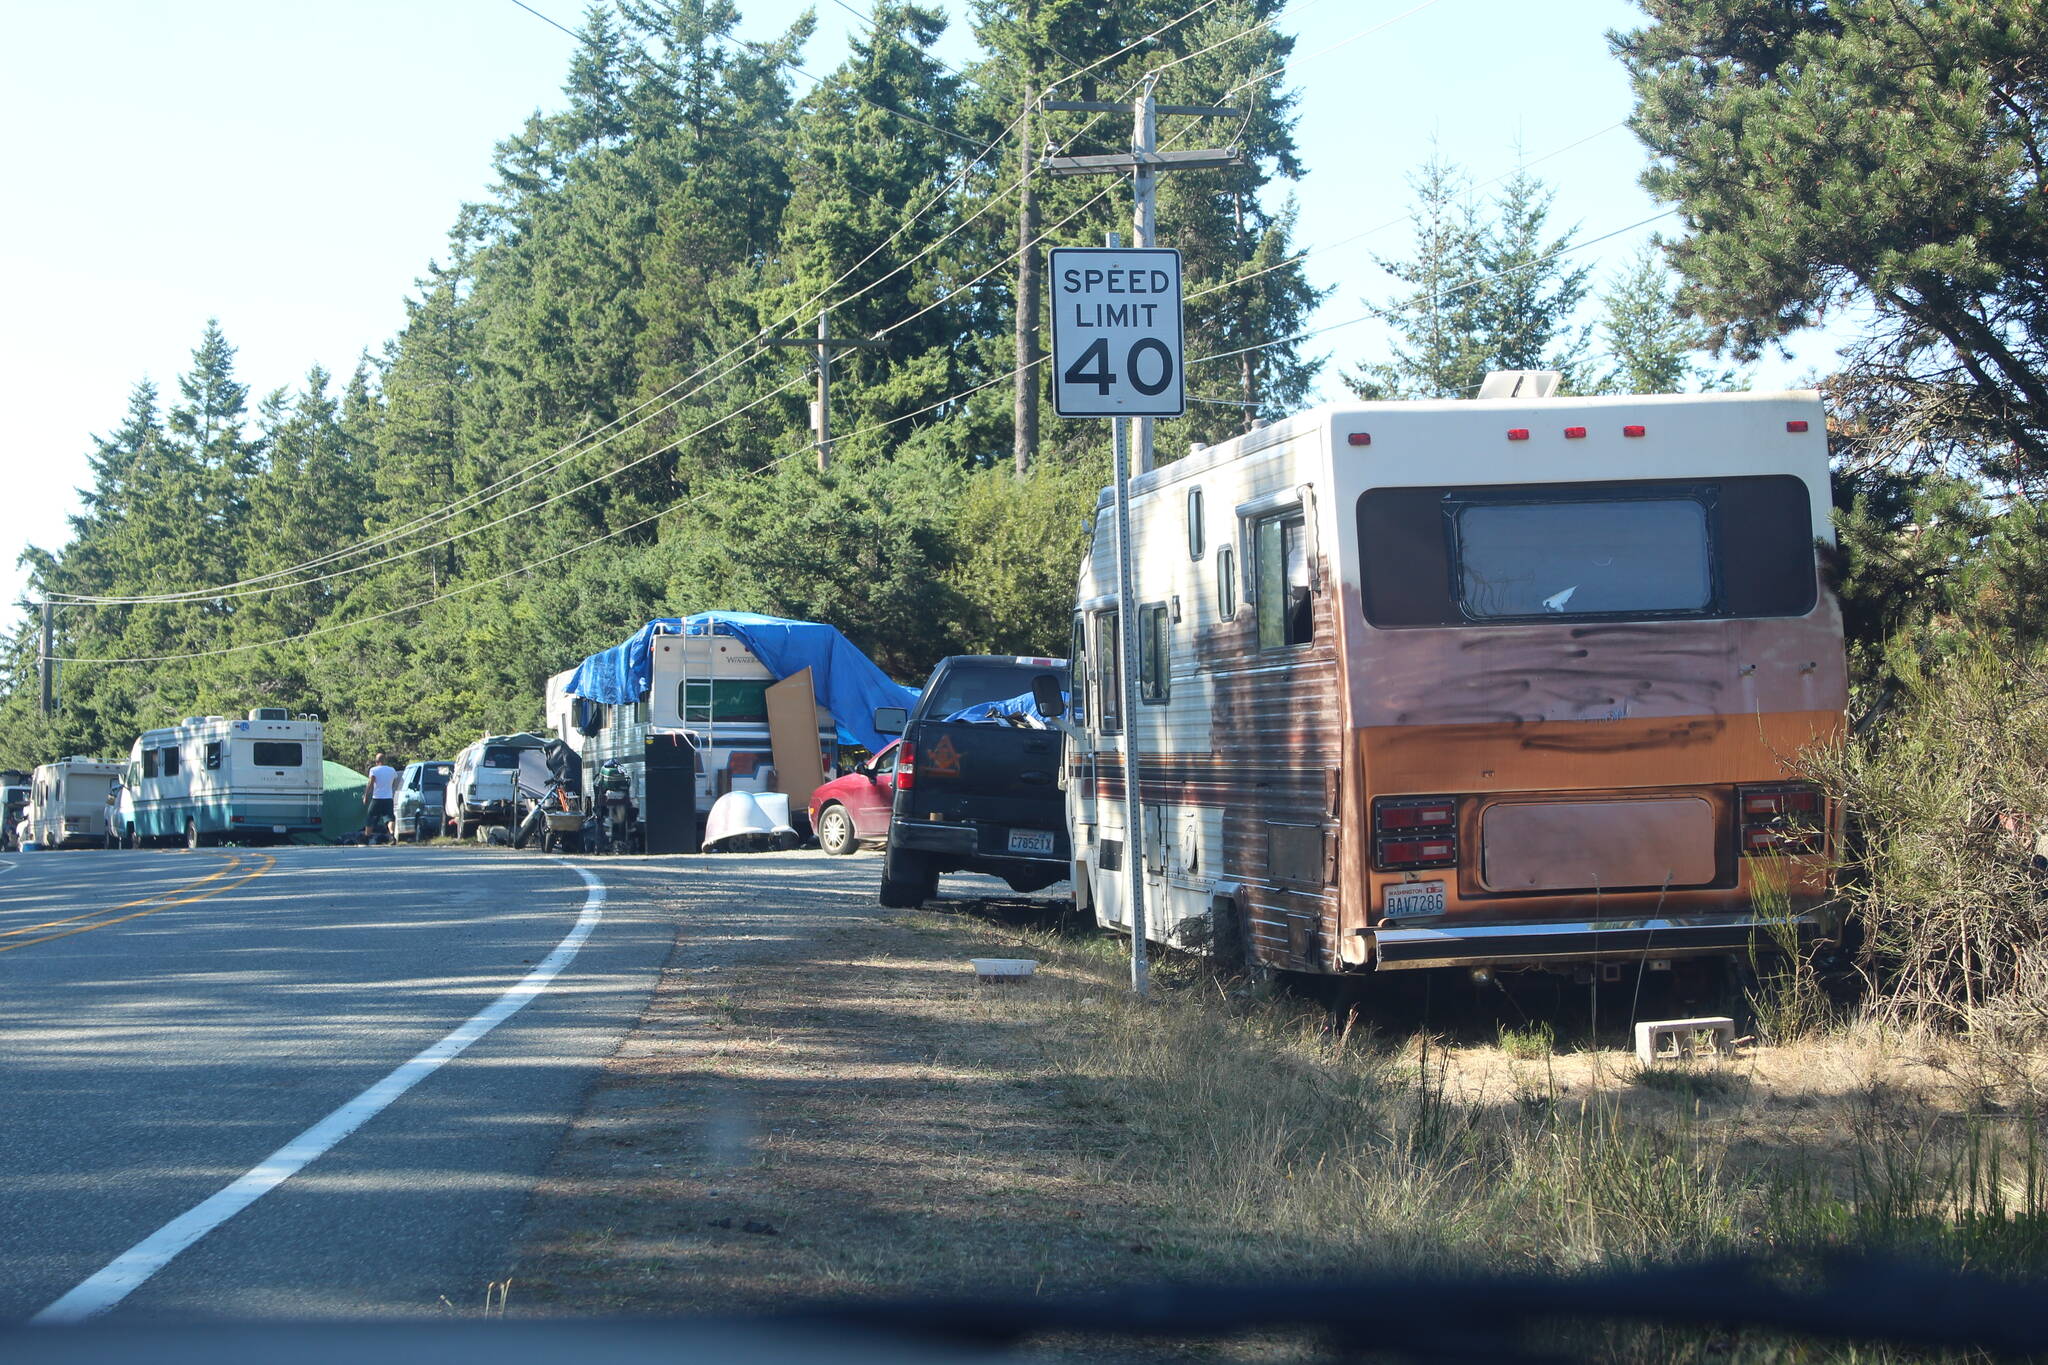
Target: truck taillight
x,y
1415,831
1785,818
906,766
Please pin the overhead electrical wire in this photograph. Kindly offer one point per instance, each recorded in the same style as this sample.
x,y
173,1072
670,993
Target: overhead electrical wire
x,y
692,500
204,595
576,448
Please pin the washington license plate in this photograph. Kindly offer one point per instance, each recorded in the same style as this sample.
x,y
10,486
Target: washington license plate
x,y
1415,898
1030,841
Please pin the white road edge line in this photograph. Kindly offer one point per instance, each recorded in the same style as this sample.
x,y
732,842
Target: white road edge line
x,y
127,1272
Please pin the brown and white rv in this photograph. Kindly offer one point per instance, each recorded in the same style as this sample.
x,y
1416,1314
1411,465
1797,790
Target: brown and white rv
x,y
1497,682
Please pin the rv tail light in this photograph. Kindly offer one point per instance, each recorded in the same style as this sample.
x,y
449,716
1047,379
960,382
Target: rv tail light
x,y
906,766
1633,431
1518,433
746,764
1795,426
1359,438
1785,818
1575,433
1415,831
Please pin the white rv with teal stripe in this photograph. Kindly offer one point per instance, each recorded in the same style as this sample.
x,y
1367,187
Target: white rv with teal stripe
x,y
211,780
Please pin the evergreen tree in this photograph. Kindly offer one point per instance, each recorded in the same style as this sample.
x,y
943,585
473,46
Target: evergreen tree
x,y
1649,345
1882,151
1487,289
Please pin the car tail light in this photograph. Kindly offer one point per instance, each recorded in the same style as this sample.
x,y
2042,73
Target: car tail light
x,y
1415,831
906,766
1785,818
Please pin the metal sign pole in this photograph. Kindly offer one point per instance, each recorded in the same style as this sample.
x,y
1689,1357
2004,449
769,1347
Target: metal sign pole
x,y
1127,680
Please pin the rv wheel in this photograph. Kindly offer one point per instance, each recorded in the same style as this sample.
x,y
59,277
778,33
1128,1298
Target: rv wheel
x,y
192,837
835,831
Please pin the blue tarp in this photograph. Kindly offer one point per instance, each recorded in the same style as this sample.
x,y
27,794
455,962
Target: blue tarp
x,y
1025,706
846,681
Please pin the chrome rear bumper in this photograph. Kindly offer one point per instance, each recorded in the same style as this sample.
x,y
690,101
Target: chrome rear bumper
x,y
1452,944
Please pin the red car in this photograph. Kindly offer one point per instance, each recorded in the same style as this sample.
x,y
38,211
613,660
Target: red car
x,y
854,809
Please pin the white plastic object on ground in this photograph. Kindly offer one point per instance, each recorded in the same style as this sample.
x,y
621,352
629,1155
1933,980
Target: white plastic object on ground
x,y
749,822
1006,971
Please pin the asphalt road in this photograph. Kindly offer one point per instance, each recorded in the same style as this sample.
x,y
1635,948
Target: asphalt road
x,y
169,1020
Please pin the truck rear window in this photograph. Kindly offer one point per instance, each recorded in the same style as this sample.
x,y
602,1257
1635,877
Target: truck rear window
x,y
977,684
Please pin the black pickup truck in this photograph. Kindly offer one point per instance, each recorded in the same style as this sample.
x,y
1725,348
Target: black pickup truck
x,y
977,779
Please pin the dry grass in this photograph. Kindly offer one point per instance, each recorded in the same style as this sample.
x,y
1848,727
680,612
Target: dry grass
x,y
900,1128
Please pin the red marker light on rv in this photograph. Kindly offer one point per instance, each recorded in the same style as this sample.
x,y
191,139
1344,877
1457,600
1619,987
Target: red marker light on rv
x,y
1633,431
1359,438
1518,433
1575,433
1795,425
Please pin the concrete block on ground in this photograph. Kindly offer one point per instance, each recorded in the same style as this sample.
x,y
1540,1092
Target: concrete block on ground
x,y
1684,1034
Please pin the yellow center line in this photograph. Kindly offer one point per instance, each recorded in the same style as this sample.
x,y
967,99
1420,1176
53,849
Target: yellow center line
x,y
269,862
235,860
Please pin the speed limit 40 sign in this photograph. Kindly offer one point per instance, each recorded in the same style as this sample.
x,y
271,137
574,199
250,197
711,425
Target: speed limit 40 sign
x,y
1116,332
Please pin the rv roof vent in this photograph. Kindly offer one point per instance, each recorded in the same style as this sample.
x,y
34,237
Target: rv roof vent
x,y
195,720
1521,384
270,713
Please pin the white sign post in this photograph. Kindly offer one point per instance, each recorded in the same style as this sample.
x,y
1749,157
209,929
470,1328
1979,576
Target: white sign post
x,y
1116,353
1116,332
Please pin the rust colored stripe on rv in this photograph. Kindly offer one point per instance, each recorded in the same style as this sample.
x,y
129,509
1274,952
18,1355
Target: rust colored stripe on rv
x,y
1679,751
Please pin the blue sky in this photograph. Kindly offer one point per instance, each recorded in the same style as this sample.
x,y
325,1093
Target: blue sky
x,y
291,169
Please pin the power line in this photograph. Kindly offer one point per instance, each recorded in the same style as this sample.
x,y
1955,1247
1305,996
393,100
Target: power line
x,y
563,455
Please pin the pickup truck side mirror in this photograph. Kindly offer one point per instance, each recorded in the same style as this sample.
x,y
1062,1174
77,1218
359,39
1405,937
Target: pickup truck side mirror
x,y
1045,692
890,720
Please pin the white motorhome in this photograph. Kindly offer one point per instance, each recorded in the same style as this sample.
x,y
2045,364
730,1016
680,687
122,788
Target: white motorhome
x,y
67,802
210,780
1506,682
707,689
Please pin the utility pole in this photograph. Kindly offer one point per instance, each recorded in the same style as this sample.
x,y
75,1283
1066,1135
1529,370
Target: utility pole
x,y
1146,163
46,667
1024,449
821,406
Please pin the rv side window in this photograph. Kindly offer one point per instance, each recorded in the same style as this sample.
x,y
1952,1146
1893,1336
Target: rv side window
x,y
278,753
640,712
213,756
1226,583
1077,673
149,763
170,761
1197,533
1155,638
1286,613
1108,674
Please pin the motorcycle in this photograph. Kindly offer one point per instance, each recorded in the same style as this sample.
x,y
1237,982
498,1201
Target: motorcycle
x,y
616,819
556,819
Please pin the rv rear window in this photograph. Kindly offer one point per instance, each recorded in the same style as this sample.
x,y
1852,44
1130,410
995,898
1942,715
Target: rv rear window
x,y
1640,557
1737,546
278,753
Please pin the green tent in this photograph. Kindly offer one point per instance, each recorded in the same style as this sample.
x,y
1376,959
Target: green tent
x,y
342,809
